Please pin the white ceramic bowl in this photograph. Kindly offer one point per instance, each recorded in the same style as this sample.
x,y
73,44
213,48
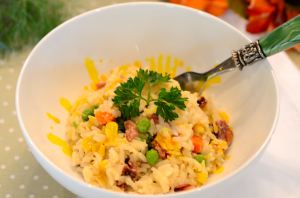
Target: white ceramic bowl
x,y
126,32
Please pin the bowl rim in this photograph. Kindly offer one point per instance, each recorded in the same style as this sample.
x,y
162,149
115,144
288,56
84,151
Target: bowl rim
x,y
38,154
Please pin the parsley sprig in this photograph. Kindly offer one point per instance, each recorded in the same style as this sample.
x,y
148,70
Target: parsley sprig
x,y
129,96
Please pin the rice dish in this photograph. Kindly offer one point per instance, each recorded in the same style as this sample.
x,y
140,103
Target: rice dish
x,y
148,153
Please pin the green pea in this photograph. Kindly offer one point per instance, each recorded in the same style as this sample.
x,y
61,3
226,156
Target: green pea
x,y
143,125
152,157
199,158
88,112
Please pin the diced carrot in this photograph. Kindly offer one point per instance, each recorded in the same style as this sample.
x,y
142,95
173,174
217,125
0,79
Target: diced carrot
x,y
104,117
198,143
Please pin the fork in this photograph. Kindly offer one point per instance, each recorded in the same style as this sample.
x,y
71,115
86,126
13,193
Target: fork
x,y
280,39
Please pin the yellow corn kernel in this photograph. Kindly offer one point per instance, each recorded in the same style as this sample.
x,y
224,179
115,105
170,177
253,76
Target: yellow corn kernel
x,y
223,145
224,116
202,177
199,128
87,144
91,120
165,132
168,144
94,146
111,131
101,150
219,170
101,177
102,165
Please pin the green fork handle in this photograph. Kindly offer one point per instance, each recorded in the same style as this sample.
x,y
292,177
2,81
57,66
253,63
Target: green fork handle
x,y
280,39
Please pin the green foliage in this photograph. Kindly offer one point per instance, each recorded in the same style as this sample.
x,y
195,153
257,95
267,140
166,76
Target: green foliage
x,y
24,22
239,7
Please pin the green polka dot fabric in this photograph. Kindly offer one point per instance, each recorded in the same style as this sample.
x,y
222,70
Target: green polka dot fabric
x,y
20,173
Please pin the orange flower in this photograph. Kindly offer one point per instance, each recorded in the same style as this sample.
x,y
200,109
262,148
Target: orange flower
x,y
215,7
264,15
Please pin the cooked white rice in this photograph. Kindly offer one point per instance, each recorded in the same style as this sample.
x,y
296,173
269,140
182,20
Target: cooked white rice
x,y
101,159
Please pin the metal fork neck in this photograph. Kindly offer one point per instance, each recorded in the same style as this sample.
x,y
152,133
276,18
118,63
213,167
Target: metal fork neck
x,y
248,54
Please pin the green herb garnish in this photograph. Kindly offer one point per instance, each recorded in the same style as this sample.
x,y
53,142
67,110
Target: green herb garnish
x,y
129,96
167,102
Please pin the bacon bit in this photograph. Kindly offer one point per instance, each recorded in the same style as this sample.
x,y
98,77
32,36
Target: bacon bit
x,y
123,186
129,169
131,131
183,187
224,132
155,118
202,102
162,152
100,85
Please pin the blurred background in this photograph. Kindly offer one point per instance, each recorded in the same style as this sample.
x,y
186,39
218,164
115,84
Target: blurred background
x,y
24,22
